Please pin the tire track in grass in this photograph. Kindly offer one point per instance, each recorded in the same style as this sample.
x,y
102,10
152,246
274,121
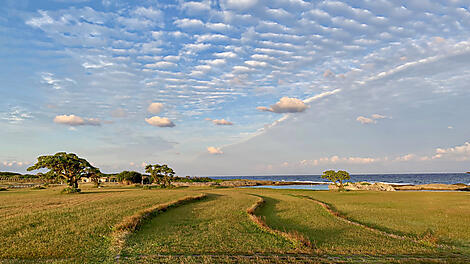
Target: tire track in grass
x,y
345,219
298,239
133,222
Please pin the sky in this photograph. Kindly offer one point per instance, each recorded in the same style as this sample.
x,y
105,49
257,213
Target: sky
x,y
237,87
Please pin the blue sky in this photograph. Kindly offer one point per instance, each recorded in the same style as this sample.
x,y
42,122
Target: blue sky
x,y
237,87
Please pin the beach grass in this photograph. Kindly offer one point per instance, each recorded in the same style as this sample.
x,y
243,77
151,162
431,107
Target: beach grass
x,y
46,226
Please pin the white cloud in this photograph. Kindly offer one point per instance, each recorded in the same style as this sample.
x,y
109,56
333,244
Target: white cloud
x,y
240,4
155,108
159,121
16,115
187,23
458,153
286,105
406,157
370,120
73,120
214,150
339,160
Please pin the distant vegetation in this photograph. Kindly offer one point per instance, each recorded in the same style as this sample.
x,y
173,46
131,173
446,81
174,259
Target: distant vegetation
x,y
5,174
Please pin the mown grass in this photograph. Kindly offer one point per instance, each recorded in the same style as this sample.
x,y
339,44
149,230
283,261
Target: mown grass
x,y
328,234
217,225
44,225
440,217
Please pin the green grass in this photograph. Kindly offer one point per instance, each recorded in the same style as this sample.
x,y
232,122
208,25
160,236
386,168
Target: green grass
x,y
216,225
443,214
328,234
44,225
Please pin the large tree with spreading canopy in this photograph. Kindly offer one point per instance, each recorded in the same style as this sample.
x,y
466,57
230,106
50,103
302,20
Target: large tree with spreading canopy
x,y
67,166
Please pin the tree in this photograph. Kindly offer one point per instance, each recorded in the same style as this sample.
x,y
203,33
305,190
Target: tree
x,y
63,165
161,174
129,177
337,177
94,174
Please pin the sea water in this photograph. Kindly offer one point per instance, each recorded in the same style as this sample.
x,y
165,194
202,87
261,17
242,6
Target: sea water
x,y
398,179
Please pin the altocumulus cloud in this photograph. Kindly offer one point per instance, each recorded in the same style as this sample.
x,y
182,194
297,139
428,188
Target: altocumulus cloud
x,y
73,120
159,121
285,105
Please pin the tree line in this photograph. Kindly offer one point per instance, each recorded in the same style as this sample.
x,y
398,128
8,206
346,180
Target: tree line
x,y
70,168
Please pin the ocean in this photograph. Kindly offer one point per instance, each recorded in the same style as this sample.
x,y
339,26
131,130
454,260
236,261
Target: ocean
x,y
402,179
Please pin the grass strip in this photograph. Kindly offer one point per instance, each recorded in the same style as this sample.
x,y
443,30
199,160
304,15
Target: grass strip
x,y
133,222
300,241
429,241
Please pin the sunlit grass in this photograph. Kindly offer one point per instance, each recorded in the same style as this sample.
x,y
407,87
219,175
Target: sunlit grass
x,y
40,225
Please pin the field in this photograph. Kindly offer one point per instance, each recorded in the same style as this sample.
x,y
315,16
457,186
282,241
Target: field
x,y
289,226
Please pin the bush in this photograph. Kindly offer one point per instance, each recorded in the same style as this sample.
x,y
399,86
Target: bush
x,y
38,187
3,189
70,190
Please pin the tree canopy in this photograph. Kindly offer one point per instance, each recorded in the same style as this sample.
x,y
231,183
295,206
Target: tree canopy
x,y
161,174
337,177
129,177
67,166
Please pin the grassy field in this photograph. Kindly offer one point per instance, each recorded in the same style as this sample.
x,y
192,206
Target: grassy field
x,y
46,226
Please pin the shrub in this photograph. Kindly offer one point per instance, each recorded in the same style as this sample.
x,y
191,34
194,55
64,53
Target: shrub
x,y
3,189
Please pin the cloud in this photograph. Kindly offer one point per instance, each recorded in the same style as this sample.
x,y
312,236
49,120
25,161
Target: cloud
x,y
159,121
370,120
214,150
73,120
240,4
155,108
365,120
407,157
285,105
220,122
16,115
339,160
458,153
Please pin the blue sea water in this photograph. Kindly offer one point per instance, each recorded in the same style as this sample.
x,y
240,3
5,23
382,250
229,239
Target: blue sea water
x,y
421,178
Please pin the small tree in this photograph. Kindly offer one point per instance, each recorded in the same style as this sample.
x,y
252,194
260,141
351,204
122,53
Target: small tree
x,y
129,177
161,174
337,177
63,165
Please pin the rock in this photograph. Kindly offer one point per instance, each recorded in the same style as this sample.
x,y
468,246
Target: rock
x,y
364,186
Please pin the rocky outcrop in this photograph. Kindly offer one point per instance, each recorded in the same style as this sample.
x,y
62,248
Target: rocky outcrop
x,y
434,187
364,186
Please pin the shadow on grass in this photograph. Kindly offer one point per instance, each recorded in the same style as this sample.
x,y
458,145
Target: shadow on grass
x,y
321,237
92,192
